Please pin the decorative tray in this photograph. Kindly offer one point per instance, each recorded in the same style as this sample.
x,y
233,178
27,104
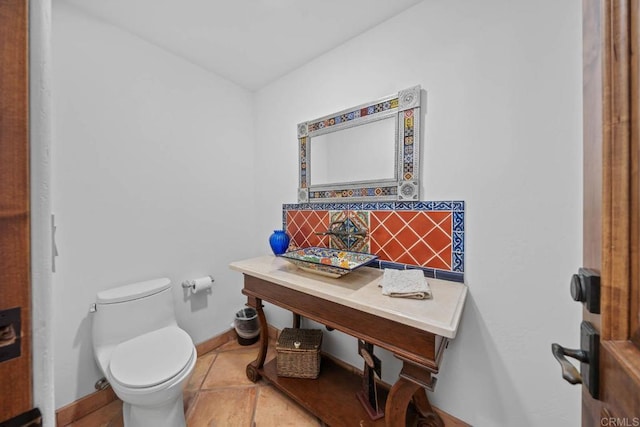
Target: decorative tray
x,y
328,262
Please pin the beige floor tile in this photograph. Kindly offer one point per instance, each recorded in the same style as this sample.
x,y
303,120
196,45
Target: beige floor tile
x,y
188,400
223,407
229,369
274,409
200,371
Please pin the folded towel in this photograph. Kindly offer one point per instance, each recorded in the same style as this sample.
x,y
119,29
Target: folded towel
x,y
405,284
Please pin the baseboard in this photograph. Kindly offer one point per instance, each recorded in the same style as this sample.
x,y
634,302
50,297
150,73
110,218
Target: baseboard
x,y
84,406
273,332
215,342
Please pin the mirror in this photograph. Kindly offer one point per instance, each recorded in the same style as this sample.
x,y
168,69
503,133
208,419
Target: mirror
x,y
368,152
333,153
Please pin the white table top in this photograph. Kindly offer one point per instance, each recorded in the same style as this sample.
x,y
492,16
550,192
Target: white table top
x,y
360,290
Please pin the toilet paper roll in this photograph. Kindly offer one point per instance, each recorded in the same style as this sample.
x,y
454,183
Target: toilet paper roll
x,y
201,284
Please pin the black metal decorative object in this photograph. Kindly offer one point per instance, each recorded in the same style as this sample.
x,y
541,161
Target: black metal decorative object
x,y
368,396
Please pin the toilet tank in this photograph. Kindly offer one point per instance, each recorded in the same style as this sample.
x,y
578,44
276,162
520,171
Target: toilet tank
x,y
128,311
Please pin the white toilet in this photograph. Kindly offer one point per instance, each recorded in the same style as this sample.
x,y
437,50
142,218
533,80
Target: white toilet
x,y
143,353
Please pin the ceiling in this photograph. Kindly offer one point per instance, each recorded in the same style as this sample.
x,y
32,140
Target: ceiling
x,y
250,42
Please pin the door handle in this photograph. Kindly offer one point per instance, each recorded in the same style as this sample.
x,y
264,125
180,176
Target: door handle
x,y
569,372
588,355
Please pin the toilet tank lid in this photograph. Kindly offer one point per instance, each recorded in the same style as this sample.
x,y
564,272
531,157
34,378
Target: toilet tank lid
x,y
133,291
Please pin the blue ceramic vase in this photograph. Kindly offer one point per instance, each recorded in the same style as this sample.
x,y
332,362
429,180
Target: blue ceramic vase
x,y
279,242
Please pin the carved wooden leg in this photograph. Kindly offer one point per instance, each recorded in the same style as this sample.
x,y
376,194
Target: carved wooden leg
x,y
252,368
397,402
430,418
412,383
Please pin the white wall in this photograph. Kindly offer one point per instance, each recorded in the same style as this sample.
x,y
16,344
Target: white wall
x,y
502,132
152,177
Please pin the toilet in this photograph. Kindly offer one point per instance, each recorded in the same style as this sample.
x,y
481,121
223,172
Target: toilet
x,y
143,353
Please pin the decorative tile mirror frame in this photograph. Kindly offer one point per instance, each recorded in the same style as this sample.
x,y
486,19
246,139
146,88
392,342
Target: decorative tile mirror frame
x,y
404,106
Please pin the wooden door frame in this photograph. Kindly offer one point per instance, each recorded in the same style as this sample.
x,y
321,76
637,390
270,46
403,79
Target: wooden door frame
x,y
621,190
611,203
15,266
617,218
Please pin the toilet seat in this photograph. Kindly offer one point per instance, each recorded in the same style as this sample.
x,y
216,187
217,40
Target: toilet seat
x,y
152,358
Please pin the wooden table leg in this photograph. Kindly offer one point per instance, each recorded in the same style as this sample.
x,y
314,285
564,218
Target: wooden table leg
x,y
411,385
429,417
258,363
296,320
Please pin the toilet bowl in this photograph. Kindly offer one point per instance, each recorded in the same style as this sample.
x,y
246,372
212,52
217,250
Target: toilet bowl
x,y
143,353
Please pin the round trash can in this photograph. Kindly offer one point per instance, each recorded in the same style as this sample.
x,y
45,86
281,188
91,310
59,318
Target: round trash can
x,y
247,326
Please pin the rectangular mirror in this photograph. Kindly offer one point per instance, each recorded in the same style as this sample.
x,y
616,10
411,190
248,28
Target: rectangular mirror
x,y
333,154
368,152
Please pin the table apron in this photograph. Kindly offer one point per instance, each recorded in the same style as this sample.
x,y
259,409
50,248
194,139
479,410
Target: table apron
x,y
406,342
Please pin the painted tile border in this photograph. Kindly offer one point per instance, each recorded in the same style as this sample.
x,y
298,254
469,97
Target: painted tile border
x,y
456,207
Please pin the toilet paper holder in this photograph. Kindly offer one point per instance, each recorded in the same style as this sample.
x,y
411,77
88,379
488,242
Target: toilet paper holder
x,y
193,284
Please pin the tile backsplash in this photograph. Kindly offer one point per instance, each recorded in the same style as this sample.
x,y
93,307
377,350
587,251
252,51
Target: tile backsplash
x,y
428,235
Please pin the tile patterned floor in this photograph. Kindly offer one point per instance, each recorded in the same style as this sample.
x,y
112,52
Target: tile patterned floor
x,y
220,395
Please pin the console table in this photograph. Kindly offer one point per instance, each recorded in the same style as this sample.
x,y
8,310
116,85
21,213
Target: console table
x,y
415,331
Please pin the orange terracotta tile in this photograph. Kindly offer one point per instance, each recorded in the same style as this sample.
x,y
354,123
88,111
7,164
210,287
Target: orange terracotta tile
x,y
442,218
200,371
421,223
273,409
442,261
393,221
380,216
228,369
391,250
223,407
419,254
407,238
406,258
302,226
377,237
438,240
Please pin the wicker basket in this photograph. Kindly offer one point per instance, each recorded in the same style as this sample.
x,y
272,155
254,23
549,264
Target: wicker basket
x,y
298,353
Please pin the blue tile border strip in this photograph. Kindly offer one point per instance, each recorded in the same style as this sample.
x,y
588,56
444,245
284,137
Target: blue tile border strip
x,y
458,261
452,276
458,242
458,221
457,207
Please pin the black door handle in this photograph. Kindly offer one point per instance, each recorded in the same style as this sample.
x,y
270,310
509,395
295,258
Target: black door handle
x,y
588,355
569,372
